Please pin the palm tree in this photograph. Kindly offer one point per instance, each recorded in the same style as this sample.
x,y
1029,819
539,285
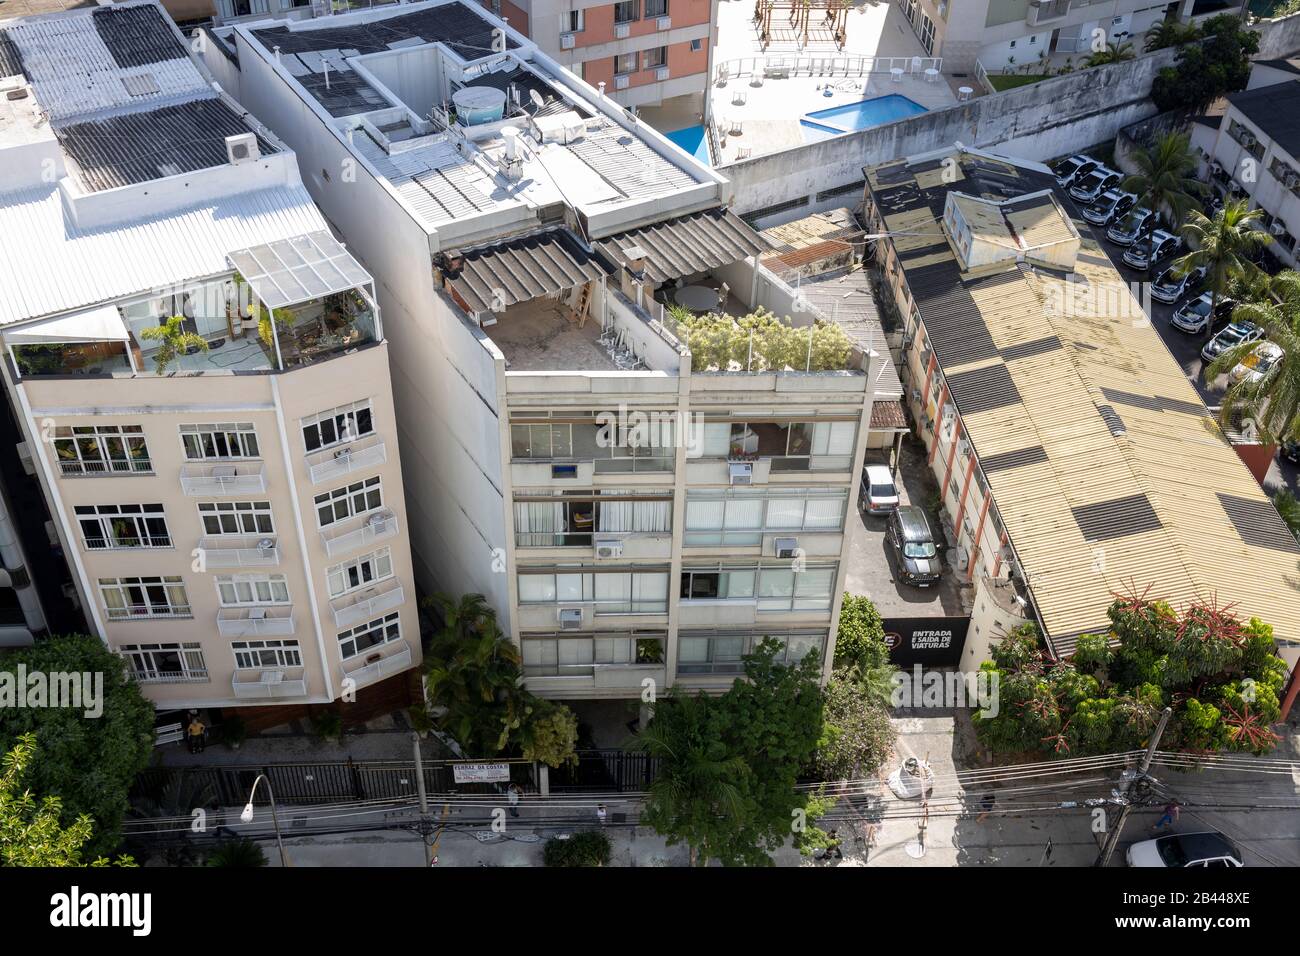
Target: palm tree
x,y
1272,402
1169,33
1223,245
173,340
1112,53
1165,180
238,852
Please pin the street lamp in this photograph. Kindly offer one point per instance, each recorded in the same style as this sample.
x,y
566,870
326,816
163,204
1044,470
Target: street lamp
x,y
247,815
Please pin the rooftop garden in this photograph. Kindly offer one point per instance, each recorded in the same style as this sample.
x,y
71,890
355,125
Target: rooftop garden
x,y
760,342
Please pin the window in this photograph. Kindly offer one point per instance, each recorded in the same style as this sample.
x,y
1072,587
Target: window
x,y
144,597
718,584
252,590
255,654
648,445
556,655
626,12
791,446
358,640
736,517
784,589
721,652
123,526
652,59
612,592
101,449
162,663
697,45
236,517
354,499
574,21
625,63
359,572
656,8
570,518
204,442
337,426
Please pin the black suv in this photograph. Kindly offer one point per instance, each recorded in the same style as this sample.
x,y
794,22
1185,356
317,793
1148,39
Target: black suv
x,y
912,542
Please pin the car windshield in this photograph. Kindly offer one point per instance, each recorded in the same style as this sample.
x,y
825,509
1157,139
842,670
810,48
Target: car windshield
x,y
1106,202
919,549
1199,307
883,491
1066,166
1093,180
1169,278
1171,851
1132,221
1231,336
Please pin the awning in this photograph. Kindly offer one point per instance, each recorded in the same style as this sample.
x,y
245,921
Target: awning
x,y
888,417
686,245
290,271
499,276
101,324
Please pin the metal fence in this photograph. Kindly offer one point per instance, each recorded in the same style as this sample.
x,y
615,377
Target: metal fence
x,y
778,66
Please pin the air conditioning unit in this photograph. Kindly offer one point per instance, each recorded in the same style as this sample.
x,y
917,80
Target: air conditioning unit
x,y
664,23
609,547
242,148
1248,139
1277,228
570,618
963,448
621,30
1216,167
25,456
740,473
786,547
377,521
908,340
621,82
567,41
661,73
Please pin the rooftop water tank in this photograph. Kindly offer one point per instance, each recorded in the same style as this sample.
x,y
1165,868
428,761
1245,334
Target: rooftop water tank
x,y
479,104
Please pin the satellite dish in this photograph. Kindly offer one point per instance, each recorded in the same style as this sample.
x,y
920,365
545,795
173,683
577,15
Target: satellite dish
x,y
536,98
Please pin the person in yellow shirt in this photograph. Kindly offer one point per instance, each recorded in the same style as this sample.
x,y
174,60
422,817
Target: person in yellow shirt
x,y
197,731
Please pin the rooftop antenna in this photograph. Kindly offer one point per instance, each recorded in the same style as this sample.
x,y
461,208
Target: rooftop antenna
x,y
536,99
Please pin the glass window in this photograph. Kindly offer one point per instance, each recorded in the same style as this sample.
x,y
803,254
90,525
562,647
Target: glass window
x,y
354,499
142,597
573,21
101,449
123,526
653,59
236,517
337,426
205,442
257,654
358,640
360,572
656,8
244,590
165,662
627,11
625,63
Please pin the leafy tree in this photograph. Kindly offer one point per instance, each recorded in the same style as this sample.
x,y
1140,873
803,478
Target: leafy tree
x,y
89,763
584,848
179,797
761,341
1224,245
860,638
1112,53
237,853
1288,506
550,734
1169,33
173,340
1204,71
857,736
31,833
1165,182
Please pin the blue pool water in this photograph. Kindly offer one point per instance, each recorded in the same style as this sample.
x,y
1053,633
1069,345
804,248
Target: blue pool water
x,y
691,139
862,115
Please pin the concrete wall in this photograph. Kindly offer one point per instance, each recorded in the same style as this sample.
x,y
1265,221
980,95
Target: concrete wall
x,y
1278,38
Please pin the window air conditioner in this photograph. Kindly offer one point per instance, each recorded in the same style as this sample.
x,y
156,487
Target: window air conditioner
x,y
242,148
963,448
609,547
1277,228
621,82
786,547
1248,139
664,23
621,30
741,473
567,41
662,73
570,618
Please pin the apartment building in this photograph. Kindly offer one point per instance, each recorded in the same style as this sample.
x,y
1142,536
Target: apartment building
x,y
629,515
1075,459
993,32
200,374
1252,152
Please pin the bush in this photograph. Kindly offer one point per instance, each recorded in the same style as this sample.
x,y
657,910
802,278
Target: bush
x,y
585,848
327,725
232,731
239,853
857,736
860,640
724,342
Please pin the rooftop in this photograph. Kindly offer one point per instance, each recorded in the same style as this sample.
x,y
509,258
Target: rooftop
x,y
1275,110
1108,471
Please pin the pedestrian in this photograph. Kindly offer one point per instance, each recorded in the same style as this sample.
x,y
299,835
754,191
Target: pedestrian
x,y
1169,817
600,814
833,846
196,732
986,806
513,792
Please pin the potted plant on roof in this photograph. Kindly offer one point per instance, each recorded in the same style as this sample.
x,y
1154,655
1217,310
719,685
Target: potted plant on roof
x,y
173,339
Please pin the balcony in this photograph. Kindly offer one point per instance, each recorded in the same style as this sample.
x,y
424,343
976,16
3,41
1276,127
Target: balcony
x,y
1041,11
235,551
359,532
368,603
134,612
269,683
82,468
334,463
255,621
215,480
191,676
377,667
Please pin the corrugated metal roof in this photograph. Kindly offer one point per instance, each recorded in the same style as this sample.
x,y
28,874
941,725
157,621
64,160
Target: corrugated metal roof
x,y
686,245
54,266
498,276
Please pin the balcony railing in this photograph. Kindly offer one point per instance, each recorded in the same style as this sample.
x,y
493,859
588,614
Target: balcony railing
x,y
128,544
1040,11
191,676
226,478
136,611
255,621
76,468
336,462
377,670
235,551
370,528
364,605
269,683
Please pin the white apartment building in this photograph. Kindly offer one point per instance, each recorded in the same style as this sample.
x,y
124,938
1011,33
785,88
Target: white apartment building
x,y
1252,151
628,515
229,494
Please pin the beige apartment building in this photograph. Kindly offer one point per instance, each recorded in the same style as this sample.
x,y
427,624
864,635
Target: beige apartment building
x,y
200,371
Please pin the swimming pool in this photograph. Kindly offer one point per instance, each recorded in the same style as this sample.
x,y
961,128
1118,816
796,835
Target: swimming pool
x,y
692,140
861,115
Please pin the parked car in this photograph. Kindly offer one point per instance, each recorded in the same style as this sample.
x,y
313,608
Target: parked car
x,y
1194,314
1109,206
1238,333
1291,451
1164,243
912,541
879,496
1088,187
1256,365
1126,231
1208,849
1068,170
1169,286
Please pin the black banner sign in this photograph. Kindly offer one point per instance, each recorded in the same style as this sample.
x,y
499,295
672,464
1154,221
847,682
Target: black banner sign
x,y
936,641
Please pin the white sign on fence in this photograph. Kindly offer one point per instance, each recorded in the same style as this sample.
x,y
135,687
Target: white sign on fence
x,y
481,772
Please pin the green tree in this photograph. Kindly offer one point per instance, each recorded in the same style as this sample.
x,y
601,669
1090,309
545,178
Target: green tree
x,y
237,853
1204,71
1165,182
1272,402
31,833
550,734
857,736
1224,246
173,340
1169,33
1288,506
1112,53
585,848
89,763
860,638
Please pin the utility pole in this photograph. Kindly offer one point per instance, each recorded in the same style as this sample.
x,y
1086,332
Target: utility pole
x,y
426,828
1126,783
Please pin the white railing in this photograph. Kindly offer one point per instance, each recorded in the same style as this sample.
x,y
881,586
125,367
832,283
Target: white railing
x,y
982,75
783,65
234,478
235,551
255,621
365,604
269,683
374,527
336,462
377,670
